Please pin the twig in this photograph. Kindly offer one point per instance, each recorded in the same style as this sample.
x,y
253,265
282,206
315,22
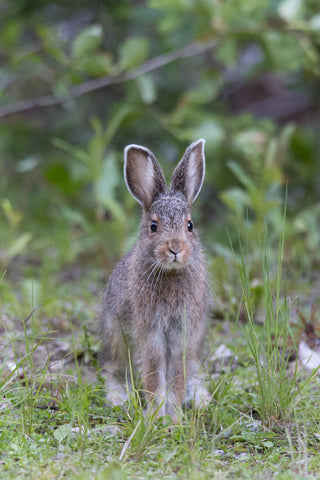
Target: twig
x,y
26,320
96,84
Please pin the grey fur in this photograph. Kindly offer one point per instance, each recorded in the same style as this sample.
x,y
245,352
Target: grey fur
x,y
156,302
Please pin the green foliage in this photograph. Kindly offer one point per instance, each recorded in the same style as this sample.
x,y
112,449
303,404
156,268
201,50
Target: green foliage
x,y
62,426
87,41
133,51
82,81
75,162
277,393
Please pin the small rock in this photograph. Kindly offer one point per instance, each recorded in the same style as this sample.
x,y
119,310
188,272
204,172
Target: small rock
x,y
254,427
5,405
310,359
219,453
223,358
242,456
60,455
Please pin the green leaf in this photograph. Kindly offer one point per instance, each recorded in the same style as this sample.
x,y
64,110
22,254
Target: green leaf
x,y
28,164
147,88
227,51
13,216
75,217
241,175
61,433
96,65
59,175
289,9
204,93
315,22
18,246
133,51
87,41
114,123
236,199
211,130
106,184
277,150
76,152
267,444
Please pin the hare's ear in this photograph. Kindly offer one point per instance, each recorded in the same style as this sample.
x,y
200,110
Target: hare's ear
x,y
189,173
143,175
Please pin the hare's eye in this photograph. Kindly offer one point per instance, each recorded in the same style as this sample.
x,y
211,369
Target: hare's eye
x,y
190,226
153,227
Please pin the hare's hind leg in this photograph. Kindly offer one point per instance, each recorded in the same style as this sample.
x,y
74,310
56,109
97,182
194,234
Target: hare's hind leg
x,y
116,385
116,366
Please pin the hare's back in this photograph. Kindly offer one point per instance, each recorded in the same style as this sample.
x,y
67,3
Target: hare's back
x,y
116,300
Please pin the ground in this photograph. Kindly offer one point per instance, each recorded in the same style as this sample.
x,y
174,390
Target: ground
x,y
55,424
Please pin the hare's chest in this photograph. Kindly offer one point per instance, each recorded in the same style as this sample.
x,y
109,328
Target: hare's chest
x,y
166,302
169,319
167,314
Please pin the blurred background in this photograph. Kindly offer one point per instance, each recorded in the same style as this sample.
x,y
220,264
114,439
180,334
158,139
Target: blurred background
x,y
80,80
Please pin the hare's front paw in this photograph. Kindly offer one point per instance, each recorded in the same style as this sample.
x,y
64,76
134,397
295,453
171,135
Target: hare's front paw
x,y
116,399
116,394
197,394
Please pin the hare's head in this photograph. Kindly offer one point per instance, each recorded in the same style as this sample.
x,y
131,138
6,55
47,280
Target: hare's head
x,y
167,233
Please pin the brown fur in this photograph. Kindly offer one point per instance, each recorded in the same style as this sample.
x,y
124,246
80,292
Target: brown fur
x,y
156,301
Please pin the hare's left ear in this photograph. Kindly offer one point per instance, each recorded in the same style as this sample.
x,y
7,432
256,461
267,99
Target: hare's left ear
x,y
189,173
143,175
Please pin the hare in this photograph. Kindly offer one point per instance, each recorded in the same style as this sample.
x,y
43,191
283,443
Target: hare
x,y
154,309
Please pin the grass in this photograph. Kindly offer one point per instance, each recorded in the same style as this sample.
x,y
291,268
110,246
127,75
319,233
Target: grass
x,y
262,423
277,392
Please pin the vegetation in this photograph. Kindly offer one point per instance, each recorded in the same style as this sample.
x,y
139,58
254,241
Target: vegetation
x,y
81,80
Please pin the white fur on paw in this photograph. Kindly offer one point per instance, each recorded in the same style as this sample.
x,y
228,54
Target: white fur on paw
x,y
116,394
197,394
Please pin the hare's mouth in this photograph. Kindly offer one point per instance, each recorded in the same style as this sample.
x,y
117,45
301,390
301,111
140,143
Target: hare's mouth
x,y
170,266
172,257
174,261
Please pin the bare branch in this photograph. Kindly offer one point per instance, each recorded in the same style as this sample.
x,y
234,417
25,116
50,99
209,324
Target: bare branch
x,y
96,84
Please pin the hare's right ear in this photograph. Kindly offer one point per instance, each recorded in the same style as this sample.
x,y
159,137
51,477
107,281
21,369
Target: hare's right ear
x,y
143,175
189,173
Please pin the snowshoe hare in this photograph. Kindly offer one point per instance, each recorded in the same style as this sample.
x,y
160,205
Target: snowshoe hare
x,y
153,314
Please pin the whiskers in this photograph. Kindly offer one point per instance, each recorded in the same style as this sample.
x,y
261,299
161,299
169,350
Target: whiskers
x,y
150,278
201,275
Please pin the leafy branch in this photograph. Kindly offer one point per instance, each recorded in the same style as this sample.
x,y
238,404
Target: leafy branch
x,y
107,80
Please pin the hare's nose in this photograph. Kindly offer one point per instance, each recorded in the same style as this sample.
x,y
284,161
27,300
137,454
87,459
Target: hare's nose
x,y
175,246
